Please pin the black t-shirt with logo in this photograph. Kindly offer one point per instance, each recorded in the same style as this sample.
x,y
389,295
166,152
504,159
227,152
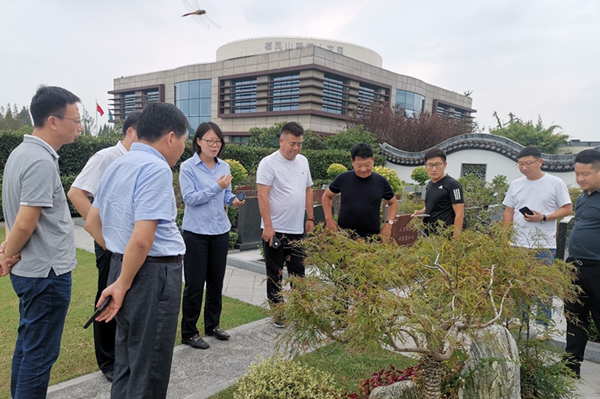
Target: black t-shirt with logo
x,y
439,198
361,201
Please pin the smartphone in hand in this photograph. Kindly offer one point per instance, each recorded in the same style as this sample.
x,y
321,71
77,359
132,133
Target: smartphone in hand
x,y
526,211
241,196
98,311
276,242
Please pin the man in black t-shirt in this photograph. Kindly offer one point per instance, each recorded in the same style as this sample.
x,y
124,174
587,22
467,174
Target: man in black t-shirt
x,y
444,199
362,192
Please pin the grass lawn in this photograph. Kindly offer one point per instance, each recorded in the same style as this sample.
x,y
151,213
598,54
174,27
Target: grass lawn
x,y
347,368
77,351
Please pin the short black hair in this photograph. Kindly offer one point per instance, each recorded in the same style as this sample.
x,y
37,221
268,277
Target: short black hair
x,y
294,128
48,101
435,153
158,119
591,156
131,121
530,151
362,150
204,128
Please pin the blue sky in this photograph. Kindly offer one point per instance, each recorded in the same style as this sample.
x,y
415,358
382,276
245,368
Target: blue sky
x,y
526,57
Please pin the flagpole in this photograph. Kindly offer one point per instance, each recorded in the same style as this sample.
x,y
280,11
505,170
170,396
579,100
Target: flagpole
x,y
96,113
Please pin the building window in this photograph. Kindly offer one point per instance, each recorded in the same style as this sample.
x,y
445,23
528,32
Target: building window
x,y
478,170
286,92
128,103
193,99
366,95
244,96
411,103
239,139
334,95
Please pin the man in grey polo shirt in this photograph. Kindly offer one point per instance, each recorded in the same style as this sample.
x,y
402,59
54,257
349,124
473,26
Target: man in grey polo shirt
x,y
133,216
86,184
584,253
38,225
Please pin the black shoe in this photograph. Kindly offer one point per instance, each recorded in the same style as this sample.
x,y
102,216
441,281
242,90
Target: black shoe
x,y
572,364
195,342
278,323
218,333
109,376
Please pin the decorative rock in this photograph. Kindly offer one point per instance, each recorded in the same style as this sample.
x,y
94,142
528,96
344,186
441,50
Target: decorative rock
x,y
398,390
493,366
249,231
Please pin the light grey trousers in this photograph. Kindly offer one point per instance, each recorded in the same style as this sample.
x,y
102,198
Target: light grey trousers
x,y
146,328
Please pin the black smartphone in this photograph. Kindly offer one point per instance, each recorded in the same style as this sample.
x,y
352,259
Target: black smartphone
x,y
526,211
98,311
276,242
241,196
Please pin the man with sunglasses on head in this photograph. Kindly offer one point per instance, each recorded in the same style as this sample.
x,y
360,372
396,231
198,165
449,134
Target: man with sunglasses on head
x,y
284,192
39,227
444,200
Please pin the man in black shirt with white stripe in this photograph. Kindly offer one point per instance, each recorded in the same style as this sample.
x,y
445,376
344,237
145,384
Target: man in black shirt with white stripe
x,y
444,201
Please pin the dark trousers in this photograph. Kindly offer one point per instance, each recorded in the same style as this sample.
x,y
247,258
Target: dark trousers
x,y
588,278
104,333
288,254
43,304
204,262
146,328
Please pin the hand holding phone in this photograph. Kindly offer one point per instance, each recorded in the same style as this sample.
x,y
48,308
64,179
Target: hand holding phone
x,y
98,311
526,211
241,196
276,242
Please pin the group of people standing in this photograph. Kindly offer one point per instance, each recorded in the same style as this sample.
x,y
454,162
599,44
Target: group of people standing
x,y
141,253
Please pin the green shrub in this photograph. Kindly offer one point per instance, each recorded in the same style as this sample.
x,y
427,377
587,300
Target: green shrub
x,y
419,174
265,137
346,139
313,141
232,214
276,378
238,172
232,239
391,176
335,169
67,181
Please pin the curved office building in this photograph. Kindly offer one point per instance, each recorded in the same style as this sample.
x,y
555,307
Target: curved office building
x,y
259,82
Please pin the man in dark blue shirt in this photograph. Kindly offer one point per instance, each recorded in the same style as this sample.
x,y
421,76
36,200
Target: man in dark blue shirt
x,y
584,253
362,192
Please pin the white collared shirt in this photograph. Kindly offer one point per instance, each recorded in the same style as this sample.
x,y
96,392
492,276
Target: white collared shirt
x,y
90,175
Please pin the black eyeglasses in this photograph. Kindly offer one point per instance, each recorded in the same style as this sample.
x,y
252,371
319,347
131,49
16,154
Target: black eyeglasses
x,y
77,121
213,143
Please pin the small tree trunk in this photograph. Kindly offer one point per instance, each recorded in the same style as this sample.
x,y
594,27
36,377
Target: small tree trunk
x,y
432,373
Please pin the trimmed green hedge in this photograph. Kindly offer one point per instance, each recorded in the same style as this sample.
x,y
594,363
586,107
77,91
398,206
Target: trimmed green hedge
x,y
74,156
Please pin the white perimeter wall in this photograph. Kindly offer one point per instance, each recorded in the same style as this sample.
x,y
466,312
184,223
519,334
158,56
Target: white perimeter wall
x,y
496,165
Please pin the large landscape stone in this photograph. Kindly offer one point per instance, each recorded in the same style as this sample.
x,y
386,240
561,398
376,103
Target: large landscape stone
x,y
397,390
249,232
493,366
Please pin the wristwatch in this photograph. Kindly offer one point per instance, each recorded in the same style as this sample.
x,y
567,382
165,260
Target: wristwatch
x,y
543,218
390,222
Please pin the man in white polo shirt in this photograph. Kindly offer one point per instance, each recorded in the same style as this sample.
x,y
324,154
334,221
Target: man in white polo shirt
x,y
284,192
84,186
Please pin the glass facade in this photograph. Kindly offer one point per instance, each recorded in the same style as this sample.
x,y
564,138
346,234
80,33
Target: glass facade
x,y
366,95
334,95
193,99
286,92
128,103
244,96
411,102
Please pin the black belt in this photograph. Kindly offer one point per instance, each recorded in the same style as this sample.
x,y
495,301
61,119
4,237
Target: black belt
x,y
156,259
584,262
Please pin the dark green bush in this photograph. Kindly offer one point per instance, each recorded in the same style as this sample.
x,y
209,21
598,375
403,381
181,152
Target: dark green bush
x,y
67,181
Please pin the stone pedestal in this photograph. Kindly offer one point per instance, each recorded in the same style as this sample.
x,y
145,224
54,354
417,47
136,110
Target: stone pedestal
x,y
397,390
249,232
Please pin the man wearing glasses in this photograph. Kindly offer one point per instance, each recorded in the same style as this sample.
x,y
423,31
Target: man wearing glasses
x,y
444,201
284,192
540,200
38,226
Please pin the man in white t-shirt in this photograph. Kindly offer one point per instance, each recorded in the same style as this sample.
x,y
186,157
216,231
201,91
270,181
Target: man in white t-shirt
x,y
284,193
547,197
84,186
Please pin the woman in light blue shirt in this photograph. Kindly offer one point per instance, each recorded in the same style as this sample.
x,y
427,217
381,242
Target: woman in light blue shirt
x,y
205,182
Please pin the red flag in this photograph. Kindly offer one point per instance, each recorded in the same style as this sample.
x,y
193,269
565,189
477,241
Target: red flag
x,y
99,109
